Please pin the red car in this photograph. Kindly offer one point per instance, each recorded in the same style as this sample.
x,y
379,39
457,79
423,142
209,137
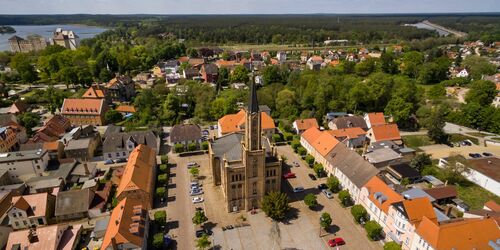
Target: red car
x,y
336,242
289,175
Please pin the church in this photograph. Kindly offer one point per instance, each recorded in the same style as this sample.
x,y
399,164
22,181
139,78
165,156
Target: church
x,y
245,165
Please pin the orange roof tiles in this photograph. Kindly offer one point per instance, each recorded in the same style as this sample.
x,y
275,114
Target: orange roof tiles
x,y
376,185
311,135
464,234
137,173
223,63
236,122
349,133
51,146
376,119
58,236
387,132
418,208
304,124
120,223
82,106
126,109
94,92
493,206
316,58
498,86
37,201
325,143
183,59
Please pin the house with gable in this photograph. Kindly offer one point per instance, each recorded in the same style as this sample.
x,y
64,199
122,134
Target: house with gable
x,y
97,92
85,111
236,123
31,210
386,132
120,145
374,119
301,125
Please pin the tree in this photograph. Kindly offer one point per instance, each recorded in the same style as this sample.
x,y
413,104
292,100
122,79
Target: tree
x,y
478,66
203,242
194,172
199,217
359,213
365,67
21,62
482,92
310,200
277,138
405,182
301,151
399,109
318,169
113,116
158,240
333,184
309,159
373,229
160,217
420,161
391,245
325,220
162,179
275,205
455,170
271,74
163,168
345,198
435,126
29,120
295,145
240,74
160,192
286,104
411,62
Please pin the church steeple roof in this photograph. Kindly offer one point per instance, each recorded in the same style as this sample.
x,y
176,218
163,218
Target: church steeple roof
x,y
253,104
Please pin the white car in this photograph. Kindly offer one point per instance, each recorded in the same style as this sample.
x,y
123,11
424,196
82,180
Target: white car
x,y
298,189
327,193
197,199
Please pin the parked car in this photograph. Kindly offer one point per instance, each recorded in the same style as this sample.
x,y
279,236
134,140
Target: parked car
x,y
312,177
204,132
198,199
201,232
336,242
327,193
298,189
475,155
109,161
192,164
487,154
289,175
195,192
121,160
466,143
194,184
322,186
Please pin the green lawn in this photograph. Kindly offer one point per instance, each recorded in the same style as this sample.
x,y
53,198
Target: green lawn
x,y
475,196
460,137
478,134
415,141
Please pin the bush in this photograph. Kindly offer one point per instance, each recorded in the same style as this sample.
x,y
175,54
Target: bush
x,y
179,148
391,245
359,212
333,184
160,192
194,172
163,168
295,145
158,240
160,217
373,229
345,198
287,136
275,205
309,159
310,200
192,146
325,220
301,151
277,138
162,179
204,145
164,159
319,169
199,218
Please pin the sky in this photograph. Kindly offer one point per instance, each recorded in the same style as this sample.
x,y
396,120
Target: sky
x,y
244,6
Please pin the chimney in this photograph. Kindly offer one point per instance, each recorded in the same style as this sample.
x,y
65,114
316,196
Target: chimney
x,y
32,236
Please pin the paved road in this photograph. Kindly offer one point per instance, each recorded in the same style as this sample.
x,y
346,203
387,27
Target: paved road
x,y
344,225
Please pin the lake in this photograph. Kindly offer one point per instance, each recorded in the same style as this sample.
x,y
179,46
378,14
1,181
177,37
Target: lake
x,y
46,31
422,25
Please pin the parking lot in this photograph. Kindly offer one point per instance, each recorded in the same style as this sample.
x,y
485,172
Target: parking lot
x,y
440,150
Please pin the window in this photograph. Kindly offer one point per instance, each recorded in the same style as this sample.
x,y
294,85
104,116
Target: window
x,y
254,187
17,223
123,153
110,155
40,221
117,154
14,215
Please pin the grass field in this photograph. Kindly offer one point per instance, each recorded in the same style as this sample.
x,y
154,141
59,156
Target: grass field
x,y
416,141
459,137
277,47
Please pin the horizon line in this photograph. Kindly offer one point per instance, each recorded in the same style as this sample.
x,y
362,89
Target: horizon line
x,y
260,14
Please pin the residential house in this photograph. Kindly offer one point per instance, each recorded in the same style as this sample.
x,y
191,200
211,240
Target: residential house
x,y
126,110
374,119
4,235
459,234
128,226
8,139
85,111
209,72
166,67
18,107
120,145
319,144
32,210
185,134
352,137
82,149
121,89
97,92
24,164
196,62
461,72
281,56
301,125
230,65
314,62
387,132
138,180
405,217
73,204
485,172
442,195
5,201
55,237
236,123
403,171
351,121
377,197
191,73
53,129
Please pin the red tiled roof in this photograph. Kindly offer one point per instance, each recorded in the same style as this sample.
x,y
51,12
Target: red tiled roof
x,y
311,135
304,124
82,106
375,186
492,205
376,118
349,133
138,170
325,143
126,109
236,122
387,132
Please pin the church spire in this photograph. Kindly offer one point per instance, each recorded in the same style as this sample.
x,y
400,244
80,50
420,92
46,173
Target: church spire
x,y
253,104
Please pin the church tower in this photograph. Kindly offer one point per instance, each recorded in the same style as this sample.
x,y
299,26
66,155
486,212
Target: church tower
x,y
253,154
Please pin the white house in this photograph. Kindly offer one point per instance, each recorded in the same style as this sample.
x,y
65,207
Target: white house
x,y
484,172
281,56
463,73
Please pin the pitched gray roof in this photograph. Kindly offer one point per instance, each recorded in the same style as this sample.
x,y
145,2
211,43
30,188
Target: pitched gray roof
x,y
114,141
352,165
185,132
350,122
228,146
73,201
